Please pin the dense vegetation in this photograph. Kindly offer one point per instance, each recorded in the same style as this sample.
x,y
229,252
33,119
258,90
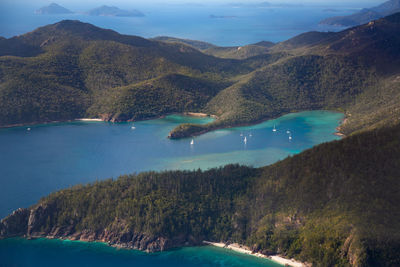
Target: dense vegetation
x,y
71,69
335,204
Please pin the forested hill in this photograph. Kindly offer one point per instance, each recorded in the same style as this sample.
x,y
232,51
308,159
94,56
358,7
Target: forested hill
x,y
336,204
71,69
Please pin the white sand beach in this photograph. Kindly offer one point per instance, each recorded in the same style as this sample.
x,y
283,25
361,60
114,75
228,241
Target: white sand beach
x,y
246,250
87,119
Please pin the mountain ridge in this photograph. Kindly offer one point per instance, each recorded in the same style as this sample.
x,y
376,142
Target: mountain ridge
x,y
365,15
311,71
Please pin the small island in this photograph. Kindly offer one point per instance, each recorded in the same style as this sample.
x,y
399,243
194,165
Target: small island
x,y
113,11
53,8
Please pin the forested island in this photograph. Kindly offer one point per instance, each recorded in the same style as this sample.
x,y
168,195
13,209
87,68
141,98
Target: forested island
x,y
71,70
333,205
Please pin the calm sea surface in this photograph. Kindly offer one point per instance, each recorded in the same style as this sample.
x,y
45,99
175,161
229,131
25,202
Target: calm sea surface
x,y
49,157
223,25
54,156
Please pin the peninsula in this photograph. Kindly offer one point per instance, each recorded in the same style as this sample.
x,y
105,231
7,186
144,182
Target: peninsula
x,y
330,205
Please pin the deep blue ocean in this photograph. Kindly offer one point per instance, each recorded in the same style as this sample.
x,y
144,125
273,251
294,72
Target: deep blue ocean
x,y
234,25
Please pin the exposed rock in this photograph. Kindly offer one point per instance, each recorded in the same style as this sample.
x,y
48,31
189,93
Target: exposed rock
x,y
15,224
29,223
38,217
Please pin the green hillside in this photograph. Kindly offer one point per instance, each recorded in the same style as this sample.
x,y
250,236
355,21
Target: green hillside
x,y
71,69
333,205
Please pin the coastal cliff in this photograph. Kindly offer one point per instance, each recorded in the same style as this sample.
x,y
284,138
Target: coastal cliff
x,y
30,223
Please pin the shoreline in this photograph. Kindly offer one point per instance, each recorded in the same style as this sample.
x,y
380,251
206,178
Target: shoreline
x,y
89,119
246,250
338,129
190,114
234,247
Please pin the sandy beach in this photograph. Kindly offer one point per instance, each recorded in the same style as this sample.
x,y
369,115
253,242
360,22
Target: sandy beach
x,y
246,250
87,119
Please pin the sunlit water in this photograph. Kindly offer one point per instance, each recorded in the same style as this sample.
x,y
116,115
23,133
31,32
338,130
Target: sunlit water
x,y
48,157
53,156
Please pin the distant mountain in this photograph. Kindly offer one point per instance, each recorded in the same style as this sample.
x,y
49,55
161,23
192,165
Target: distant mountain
x,y
365,15
114,11
53,8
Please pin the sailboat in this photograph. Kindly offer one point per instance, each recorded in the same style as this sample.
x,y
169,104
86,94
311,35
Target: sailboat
x,y
288,132
245,140
192,142
274,130
290,137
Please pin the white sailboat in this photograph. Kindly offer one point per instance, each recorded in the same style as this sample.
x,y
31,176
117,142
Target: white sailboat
x,y
245,140
274,130
28,129
290,137
192,142
288,132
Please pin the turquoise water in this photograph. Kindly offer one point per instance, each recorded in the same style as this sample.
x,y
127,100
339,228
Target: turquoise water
x,y
43,253
54,156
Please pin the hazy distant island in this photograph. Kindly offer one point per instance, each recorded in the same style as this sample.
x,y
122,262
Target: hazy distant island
x,y
331,10
365,15
114,12
263,5
53,8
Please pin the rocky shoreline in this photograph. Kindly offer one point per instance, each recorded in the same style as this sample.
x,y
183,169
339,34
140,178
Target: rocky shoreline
x,y
27,223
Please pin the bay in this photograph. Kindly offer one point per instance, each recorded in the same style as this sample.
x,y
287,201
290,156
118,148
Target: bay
x,y
49,157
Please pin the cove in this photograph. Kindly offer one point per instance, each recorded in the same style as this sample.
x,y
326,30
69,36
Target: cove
x,y
44,252
36,162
